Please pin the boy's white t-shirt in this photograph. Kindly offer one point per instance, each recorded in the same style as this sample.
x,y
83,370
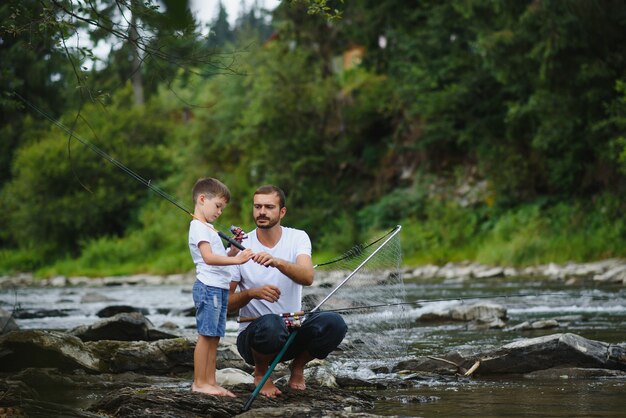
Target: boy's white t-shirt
x,y
216,276
293,242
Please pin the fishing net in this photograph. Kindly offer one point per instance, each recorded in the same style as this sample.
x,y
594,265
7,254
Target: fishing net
x,y
368,301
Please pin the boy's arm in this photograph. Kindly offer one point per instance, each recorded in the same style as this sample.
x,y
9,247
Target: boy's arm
x,y
220,260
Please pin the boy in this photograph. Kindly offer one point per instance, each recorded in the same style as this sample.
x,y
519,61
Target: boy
x,y
213,276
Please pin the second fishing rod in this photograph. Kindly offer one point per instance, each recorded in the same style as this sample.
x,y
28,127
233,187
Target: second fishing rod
x,y
415,303
146,182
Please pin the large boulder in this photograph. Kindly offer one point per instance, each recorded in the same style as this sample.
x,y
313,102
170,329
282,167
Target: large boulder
x,y
157,357
125,326
155,402
525,356
35,348
556,350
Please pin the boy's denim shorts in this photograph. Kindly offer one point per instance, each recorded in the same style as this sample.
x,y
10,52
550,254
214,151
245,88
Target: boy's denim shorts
x,y
211,308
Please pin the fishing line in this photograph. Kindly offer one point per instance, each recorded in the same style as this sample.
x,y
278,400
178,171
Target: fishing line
x,y
146,182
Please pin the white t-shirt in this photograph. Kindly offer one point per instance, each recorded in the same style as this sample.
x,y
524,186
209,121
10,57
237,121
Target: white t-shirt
x,y
216,276
293,243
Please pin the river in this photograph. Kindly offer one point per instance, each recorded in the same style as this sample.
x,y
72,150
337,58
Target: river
x,y
594,312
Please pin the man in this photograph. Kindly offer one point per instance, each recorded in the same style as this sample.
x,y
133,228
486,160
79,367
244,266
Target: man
x,y
272,285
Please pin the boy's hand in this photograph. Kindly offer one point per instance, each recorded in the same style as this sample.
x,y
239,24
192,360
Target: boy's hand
x,y
244,256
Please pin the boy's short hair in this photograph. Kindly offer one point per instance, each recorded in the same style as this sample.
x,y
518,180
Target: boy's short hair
x,y
270,189
210,187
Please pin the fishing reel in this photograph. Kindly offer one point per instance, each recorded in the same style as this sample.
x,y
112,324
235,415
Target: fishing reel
x,y
238,233
293,322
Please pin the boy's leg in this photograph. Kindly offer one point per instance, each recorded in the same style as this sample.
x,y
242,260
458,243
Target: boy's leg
x,y
204,361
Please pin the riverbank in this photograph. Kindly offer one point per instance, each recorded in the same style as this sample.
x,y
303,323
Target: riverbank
x,y
604,271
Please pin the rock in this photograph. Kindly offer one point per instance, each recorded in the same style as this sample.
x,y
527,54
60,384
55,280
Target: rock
x,y
488,273
575,373
57,281
232,377
155,402
158,357
483,311
7,323
42,313
535,325
93,297
21,401
131,326
484,315
32,348
112,310
557,350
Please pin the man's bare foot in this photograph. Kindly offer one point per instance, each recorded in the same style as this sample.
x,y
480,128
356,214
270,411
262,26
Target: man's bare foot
x,y
296,380
214,390
269,389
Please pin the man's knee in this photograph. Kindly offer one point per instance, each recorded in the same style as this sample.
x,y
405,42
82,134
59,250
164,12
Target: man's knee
x,y
270,333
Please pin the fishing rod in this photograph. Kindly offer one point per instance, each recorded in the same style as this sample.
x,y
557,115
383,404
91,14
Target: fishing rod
x,y
126,170
299,314
292,336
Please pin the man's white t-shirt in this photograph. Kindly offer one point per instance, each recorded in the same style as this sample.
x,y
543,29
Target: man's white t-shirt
x,y
216,276
292,243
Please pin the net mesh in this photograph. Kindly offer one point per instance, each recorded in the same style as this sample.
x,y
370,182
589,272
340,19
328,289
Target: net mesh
x,y
374,333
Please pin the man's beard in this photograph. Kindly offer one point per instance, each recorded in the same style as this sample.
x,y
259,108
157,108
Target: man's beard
x,y
270,224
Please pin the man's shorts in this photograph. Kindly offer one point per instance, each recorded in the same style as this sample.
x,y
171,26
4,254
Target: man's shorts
x,y
211,308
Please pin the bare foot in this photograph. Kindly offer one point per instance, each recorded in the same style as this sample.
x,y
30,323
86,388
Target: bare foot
x,y
269,389
214,390
296,380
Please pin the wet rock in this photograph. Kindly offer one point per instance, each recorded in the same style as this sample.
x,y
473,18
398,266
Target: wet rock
x,y
41,313
483,311
7,323
45,379
232,377
535,325
557,350
155,402
123,327
575,373
131,326
93,297
32,348
483,315
113,310
158,357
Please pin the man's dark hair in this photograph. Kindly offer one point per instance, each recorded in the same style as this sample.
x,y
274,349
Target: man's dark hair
x,y
210,187
270,189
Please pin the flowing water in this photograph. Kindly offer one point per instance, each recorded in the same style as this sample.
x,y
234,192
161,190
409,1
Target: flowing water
x,y
594,312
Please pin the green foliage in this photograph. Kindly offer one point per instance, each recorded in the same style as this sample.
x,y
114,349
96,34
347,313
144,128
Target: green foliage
x,y
63,193
529,94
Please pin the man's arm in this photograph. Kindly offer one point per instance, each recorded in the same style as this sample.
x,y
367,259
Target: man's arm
x,y
300,272
237,300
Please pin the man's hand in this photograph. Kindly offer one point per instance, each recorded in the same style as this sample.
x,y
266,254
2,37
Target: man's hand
x,y
264,259
268,292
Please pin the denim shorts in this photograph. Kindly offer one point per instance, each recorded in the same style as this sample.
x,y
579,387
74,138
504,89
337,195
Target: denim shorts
x,y
211,308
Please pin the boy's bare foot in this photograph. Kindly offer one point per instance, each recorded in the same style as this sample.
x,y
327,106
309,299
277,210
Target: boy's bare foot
x,y
296,380
214,390
269,389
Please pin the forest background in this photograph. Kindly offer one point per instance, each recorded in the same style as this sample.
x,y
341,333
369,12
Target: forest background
x,y
493,131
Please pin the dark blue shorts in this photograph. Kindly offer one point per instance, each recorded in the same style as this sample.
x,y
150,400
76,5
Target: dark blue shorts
x,y
319,334
211,307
